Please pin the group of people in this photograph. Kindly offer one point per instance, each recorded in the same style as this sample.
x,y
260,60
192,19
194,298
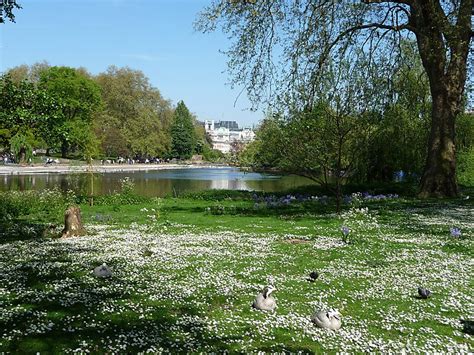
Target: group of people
x,y
8,158
137,160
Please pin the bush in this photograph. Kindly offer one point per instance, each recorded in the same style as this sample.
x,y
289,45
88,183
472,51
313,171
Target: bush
x,y
465,168
212,155
46,204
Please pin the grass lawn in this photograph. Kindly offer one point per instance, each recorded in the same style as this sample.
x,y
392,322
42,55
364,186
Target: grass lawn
x,y
186,270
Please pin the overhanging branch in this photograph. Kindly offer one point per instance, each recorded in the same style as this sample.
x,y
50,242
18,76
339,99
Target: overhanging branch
x,y
406,2
353,29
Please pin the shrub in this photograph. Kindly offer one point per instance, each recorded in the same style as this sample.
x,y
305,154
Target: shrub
x,y
465,167
45,204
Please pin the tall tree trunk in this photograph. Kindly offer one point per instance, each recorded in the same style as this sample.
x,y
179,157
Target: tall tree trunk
x,y
439,177
444,49
22,156
64,149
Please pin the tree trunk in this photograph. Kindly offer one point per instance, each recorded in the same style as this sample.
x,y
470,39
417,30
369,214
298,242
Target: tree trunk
x,y
72,223
64,149
439,177
444,49
22,156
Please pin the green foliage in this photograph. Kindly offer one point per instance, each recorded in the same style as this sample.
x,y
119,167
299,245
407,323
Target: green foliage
x,y
280,52
136,118
22,145
183,138
248,157
465,149
465,172
79,94
212,155
407,133
465,131
146,136
404,122
268,143
27,113
46,205
80,98
346,131
30,73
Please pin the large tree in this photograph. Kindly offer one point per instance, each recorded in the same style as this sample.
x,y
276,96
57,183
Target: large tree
x,y
183,136
27,115
80,99
303,34
136,117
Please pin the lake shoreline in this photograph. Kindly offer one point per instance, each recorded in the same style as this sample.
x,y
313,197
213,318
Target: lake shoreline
x,y
110,168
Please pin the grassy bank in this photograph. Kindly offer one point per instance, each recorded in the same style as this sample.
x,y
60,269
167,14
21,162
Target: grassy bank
x,y
186,270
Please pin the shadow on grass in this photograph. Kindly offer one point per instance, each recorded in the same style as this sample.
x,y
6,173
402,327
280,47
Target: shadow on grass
x,y
16,230
104,313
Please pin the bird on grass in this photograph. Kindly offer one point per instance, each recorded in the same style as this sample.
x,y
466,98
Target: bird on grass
x,y
264,300
468,326
327,319
103,271
313,276
424,292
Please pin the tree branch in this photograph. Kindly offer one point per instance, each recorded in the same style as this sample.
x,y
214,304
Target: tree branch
x,y
406,2
353,29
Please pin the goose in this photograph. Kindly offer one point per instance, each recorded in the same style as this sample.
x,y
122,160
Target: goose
x,y
313,276
468,326
265,300
327,319
424,292
103,271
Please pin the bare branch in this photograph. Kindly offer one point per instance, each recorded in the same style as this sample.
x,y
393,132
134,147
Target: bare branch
x,y
353,29
406,2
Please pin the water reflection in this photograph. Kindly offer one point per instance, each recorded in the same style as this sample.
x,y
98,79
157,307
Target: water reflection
x,y
155,183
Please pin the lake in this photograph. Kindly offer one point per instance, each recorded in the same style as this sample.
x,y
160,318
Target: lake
x,y
156,182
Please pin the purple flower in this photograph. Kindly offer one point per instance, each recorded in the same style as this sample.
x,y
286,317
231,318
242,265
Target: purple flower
x,y
455,232
345,234
345,230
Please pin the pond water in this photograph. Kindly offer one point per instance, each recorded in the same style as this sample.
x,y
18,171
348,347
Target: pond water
x,y
156,182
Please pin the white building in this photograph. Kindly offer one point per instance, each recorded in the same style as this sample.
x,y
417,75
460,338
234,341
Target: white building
x,y
223,133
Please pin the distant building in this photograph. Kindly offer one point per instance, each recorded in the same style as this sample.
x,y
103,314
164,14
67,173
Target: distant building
x,y
223,133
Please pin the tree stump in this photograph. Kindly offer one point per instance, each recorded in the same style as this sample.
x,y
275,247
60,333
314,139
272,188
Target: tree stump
x,y
72,223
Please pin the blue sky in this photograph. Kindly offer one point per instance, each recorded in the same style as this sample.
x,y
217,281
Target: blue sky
x,y
155,36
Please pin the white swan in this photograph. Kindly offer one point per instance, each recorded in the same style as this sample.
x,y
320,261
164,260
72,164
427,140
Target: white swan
x,y
265,300
327,319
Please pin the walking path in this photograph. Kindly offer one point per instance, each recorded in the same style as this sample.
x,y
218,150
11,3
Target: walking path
x,y
64,168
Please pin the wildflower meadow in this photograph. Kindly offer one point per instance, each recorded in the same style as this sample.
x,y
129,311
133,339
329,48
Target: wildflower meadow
x,y
185,271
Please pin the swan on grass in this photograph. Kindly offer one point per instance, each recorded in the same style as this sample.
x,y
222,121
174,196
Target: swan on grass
x,y
265,300
327,319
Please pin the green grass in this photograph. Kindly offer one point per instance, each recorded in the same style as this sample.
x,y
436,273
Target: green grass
x,y
186,271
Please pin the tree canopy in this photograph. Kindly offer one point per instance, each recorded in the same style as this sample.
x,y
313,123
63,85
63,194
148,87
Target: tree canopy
x,y
136,118
117,113
27,115
183,137
80,99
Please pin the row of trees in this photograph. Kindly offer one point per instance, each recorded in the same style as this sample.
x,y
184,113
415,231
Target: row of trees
x,y
116,113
